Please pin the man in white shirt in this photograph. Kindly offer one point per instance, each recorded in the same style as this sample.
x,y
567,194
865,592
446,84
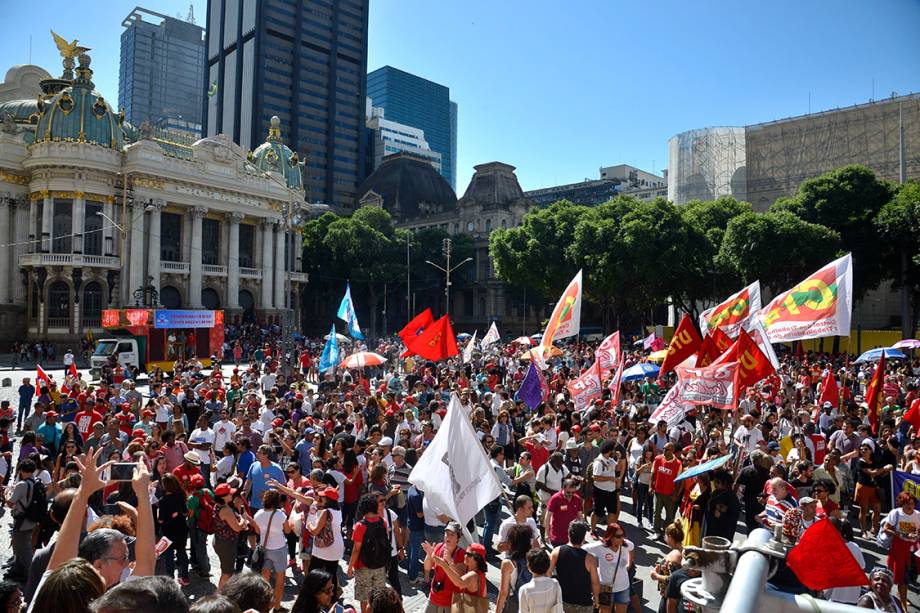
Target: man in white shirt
x,y
224,430
268,382
202,440
550,477
541,594
748,435
523,516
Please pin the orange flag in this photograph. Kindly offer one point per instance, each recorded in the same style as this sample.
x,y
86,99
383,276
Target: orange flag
x,y
714,344
436,342
685,342
874,395
753,364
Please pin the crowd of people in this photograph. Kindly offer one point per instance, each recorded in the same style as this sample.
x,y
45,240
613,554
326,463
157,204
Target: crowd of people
x,y
121,494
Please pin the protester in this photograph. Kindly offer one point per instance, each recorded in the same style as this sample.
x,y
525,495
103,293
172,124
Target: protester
x,y
614,555
576,571
542,594
903,526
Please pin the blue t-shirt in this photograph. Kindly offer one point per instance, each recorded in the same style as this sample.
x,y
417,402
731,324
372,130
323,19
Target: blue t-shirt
x,y
244,462
259,477
26,392
303,449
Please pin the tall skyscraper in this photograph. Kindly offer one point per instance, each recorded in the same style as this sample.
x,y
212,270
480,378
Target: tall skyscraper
x,y
161,73
419,103
304,61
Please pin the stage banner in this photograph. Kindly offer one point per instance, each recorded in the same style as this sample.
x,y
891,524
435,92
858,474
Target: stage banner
x,y
184,319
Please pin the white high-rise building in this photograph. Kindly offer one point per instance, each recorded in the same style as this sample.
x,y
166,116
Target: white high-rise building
x,y
391,137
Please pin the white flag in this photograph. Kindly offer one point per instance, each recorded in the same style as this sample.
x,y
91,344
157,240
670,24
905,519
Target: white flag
x,y
468,350
491,336
759,334
734,312
454,472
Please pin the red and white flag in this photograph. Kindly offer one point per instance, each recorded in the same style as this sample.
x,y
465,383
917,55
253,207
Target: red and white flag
x,y
716,385
608,354
615,384
734,312
587,387
672,409
73,370
42,376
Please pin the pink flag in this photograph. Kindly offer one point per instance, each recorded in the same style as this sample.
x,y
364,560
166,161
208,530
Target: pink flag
x,y
608,354
587,387
615,383
648,340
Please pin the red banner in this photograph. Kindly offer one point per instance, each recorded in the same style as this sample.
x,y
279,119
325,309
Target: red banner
x,y
671,409
753,364
716,385
714,344
874,394
607,354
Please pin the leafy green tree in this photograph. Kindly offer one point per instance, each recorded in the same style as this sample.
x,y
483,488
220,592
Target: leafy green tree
x,y
777,247
898,225
534,253
709,218
847,200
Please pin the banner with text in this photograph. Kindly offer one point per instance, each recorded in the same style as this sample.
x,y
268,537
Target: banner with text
x,y
185,319
716,385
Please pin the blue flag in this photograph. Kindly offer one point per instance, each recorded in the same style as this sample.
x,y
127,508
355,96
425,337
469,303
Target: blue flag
x,y
348,315
531,390
330,357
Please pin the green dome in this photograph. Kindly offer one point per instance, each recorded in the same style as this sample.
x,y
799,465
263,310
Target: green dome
x,y
20,110
273,155
79,114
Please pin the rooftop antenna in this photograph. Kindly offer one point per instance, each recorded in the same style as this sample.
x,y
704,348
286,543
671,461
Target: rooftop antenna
x,y
191,14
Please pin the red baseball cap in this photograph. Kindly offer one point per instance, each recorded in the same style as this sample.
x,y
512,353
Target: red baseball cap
x,y
277,422
576,428
330,492
477,548
196,481
138,432
224,490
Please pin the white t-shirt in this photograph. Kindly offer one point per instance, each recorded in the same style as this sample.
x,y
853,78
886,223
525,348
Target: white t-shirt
x,y
201,436
223,433
268,381
224,466
336,550
902,522
609,570
604,467
275,538
509,522
551,478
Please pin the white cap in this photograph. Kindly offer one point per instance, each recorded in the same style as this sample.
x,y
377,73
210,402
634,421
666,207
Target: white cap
x,y
386,442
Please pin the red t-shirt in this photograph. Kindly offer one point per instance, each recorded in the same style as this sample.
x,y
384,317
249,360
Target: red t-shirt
x,y
358,535
85,420
442,597
665,473
565,511
184,475
820,447
353,490
538,455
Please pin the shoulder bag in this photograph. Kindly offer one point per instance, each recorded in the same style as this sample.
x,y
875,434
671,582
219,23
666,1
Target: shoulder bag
x,y
257,560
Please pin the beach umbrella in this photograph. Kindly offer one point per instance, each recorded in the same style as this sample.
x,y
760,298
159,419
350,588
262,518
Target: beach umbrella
x,y
907,343
658,356
339,337
553,352
523,340
640,371
874,355
362,359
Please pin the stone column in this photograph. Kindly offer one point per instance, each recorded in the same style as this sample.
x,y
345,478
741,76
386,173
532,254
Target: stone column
x,y
136,264
23,209
34,236
108,241
47,223
267,238
6,253
298,251
233,261
194,277
280,265
153,248
78,215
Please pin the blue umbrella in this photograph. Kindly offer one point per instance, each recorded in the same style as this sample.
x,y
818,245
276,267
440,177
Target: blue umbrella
x,y
705,467
874,355
640,371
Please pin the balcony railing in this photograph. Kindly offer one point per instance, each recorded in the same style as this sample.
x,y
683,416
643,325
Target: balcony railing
x,y
175,267
251,273
214,270
59,322
301,277
69,259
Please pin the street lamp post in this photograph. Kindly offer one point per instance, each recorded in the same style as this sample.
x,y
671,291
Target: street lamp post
x,y
446,248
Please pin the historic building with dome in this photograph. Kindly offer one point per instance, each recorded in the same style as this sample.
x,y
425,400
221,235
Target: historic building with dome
x,y
92,210
418,197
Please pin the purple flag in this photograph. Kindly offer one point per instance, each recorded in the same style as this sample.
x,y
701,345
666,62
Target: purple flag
x,y
531,390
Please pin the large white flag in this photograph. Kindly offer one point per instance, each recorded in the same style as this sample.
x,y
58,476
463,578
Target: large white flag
x,y
566,318
491,336
818,306
468,350
454,472
734,312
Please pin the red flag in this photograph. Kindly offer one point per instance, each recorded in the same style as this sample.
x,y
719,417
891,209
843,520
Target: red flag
x,y
436,342
586,387
913,415
822,561
685,342
414,328
607,354
874,394
73,369
753,364
714,344
42,376
829,392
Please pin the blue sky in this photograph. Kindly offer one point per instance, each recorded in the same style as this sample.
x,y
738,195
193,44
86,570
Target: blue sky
x,y
559,89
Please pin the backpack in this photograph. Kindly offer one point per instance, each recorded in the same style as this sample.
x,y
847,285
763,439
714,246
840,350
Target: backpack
x,y
524,575
206,515
36,510
375,546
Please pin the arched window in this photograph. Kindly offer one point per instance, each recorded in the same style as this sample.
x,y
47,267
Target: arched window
x,y
59,305
210,299
170,297
488,225
504,223
248,304
92,305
